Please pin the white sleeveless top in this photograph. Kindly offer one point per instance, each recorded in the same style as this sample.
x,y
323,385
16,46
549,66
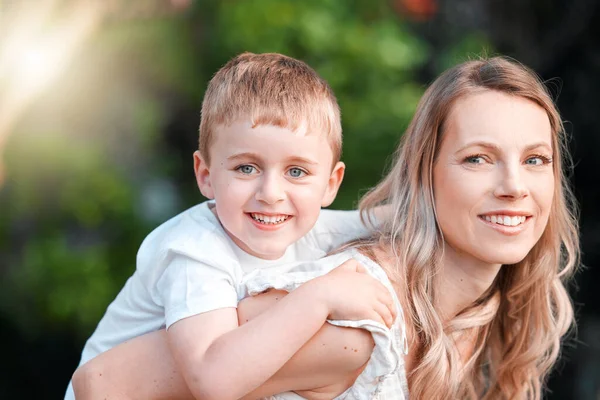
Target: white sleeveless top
x,y
384,377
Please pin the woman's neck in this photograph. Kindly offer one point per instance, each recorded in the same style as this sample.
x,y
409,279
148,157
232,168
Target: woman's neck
x,y
463,279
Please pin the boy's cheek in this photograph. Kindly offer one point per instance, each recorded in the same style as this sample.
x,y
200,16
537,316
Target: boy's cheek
x,y
240,188
310,197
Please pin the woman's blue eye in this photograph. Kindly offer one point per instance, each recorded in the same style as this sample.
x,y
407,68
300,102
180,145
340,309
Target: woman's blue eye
x,y
534,161
538,160
246,169
475,160
296,172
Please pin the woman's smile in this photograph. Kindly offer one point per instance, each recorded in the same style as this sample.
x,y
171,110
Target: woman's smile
x,y
506,224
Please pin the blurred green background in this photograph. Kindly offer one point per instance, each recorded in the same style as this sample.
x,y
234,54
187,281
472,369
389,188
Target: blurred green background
x,y
99,111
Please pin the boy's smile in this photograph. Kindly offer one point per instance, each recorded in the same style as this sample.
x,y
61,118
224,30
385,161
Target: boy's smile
x,y
268,222
269,184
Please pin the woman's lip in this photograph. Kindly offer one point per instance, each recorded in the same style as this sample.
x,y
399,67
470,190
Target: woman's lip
x,y
510,213
504,229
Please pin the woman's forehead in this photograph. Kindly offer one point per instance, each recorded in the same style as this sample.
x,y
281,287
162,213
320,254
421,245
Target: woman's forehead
x,y
497,118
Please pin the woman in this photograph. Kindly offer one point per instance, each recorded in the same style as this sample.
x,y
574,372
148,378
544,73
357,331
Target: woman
x,y
480,239
483,233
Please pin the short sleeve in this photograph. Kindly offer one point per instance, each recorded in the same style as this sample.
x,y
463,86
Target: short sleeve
x,y
335,228
189,287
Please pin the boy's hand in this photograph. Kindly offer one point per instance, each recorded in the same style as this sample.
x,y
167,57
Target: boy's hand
x,y
350,293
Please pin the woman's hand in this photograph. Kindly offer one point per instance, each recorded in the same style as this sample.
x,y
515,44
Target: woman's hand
x,y
350,293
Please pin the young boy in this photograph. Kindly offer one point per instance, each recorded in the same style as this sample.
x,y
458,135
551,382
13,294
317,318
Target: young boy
x,y
269,148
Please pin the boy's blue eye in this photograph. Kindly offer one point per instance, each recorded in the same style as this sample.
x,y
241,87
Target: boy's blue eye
x,y
296,172
246,169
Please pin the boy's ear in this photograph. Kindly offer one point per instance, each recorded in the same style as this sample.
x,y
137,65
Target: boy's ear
x,y
203,176
335,180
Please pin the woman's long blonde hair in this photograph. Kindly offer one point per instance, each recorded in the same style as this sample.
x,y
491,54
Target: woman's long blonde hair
x,y
518,324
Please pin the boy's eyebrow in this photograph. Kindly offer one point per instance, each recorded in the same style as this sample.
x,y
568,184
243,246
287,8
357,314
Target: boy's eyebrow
x,y
255,156
302,160
242,155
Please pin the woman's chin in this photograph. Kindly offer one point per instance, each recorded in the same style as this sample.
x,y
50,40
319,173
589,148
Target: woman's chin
x,y
507,257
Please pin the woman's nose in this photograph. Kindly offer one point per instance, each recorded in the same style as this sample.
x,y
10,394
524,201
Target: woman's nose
x,y
511,184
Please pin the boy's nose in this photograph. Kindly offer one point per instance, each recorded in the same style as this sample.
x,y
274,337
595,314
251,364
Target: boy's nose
x,y
270,191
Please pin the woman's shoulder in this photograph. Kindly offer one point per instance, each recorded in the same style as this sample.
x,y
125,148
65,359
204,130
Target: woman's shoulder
x,y
385,260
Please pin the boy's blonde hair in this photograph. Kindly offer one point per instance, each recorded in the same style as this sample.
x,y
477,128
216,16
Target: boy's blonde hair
x,y
270,89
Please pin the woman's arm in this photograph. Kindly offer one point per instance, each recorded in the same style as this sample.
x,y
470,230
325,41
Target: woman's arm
x,y
144,368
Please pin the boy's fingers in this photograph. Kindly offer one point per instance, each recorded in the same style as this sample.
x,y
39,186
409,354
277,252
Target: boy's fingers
x,y
391,310
389,303
353,265
377,317
360,268
384,314
385,296
349,265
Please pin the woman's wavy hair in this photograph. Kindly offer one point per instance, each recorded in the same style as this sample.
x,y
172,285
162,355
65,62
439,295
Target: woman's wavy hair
x,y
519,322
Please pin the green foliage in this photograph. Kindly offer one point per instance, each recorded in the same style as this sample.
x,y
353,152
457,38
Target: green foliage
x,y
369,58
84,164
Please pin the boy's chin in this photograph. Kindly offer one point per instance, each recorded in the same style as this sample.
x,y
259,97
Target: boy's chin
x,y
268,251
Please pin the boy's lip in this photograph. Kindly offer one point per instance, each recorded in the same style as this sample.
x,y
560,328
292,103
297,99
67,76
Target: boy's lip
x,y
270,214
269,226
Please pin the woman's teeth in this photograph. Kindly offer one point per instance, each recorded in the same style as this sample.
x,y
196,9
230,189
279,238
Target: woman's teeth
x,y
505,220
269,219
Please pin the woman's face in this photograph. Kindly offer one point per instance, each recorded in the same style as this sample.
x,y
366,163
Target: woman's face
x,y
493,179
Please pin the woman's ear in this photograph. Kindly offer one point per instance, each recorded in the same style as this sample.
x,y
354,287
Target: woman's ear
x,y
203,176
335,180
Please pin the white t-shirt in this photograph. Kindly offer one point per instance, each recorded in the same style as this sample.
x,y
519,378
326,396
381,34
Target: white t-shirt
x,y
189,265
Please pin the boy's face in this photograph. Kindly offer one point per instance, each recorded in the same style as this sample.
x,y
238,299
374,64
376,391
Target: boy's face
x,y
269,184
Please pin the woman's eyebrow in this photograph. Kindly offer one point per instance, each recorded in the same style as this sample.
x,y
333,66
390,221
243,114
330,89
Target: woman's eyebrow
x,y
484,144
494,147
538,145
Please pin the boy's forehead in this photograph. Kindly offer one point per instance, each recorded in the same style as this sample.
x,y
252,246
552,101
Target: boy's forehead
x,y
268,138
242,129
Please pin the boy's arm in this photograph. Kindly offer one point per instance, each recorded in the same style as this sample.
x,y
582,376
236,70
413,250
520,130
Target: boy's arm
x,y
202,328
221,364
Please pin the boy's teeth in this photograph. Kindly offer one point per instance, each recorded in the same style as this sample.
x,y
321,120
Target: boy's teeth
x,y
505,220
269,219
